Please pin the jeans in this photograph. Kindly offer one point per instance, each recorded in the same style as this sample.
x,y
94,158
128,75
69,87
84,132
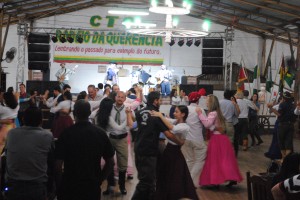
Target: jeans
x,y
165,88
26,190
146,167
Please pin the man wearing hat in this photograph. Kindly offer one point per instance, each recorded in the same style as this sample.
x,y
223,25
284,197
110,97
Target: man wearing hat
x,y
163,77
194,148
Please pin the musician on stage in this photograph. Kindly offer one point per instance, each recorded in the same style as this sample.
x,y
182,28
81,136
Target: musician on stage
x,y
164,77
63,74
111,74
141,76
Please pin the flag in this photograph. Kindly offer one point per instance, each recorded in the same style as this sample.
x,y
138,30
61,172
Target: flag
x,y
269,83
282,74
242,77
256,80
289,78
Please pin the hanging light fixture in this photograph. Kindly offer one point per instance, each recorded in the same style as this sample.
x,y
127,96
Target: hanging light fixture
x,y
181,42
62,38
189,42
197,43
170,30
54,39
172,42
70,39
79,39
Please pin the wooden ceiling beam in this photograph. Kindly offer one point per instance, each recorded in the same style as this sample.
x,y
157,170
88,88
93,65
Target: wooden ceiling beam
x,y
43,7
22,5
281,4
266,7
218,12
247,12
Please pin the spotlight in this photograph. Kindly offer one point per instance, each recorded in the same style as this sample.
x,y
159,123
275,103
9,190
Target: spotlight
x,y
189,43
180,43
172,42
70,39
79,38
54,39
197,43
62,38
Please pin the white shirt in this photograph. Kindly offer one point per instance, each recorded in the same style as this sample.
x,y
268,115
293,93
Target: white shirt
x,y
175,101
115,130
64,72
8,113
51,102
181,130
164,75
66,104
244,105
195,133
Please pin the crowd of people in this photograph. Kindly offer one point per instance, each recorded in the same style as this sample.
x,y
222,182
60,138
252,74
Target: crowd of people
x,y
174,155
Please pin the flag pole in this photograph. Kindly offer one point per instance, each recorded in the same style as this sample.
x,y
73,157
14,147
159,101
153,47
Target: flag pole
x,y
275,80
247,77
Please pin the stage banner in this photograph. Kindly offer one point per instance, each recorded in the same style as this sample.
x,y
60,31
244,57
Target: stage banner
x,y
104,47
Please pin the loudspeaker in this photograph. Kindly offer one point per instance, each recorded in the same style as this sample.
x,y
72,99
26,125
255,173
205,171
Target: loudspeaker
x,y
212,61
38,52
38,47
38,65
42,38
212,43
212,70
212,53
193,88
41,86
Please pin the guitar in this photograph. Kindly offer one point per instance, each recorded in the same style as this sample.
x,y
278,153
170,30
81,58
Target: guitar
x,y
62,77
158,81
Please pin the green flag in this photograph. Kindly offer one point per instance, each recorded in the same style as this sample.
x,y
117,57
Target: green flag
x,y
289,78
256,80
269,83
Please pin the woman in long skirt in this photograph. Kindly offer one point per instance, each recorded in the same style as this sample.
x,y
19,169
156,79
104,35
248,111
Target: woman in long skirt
x,y
220,164
174,179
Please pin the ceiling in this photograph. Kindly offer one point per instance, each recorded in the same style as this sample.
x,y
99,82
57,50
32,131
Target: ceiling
x,y
266,18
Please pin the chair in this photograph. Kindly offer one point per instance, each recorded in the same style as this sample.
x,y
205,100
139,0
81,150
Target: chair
x,y
259,187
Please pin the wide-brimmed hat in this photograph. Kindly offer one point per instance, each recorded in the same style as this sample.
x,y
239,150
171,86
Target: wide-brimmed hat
x,y
287,95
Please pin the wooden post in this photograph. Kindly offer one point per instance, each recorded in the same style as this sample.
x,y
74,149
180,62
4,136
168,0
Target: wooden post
x,y
269,57
1,24
297,78
263,56
5,37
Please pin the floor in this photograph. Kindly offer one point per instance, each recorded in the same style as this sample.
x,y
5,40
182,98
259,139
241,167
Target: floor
x,y
252,160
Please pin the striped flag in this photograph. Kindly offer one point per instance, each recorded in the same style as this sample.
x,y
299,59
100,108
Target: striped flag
x,y
242,77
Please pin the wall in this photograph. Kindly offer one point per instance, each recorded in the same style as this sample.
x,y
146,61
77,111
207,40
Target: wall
x,y
181,60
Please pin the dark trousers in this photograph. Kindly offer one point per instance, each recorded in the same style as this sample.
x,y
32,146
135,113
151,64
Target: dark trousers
x,y
26,190
146,167
253,125
236,139
285,135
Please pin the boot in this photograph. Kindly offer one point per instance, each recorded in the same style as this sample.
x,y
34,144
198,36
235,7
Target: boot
x,y
110,184
252,139
260,141
122,176
245,145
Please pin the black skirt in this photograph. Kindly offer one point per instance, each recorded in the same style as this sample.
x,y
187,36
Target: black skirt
x,y
174,179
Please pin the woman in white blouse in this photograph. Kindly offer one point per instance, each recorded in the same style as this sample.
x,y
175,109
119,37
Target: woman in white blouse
x,y
174,179
62,119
